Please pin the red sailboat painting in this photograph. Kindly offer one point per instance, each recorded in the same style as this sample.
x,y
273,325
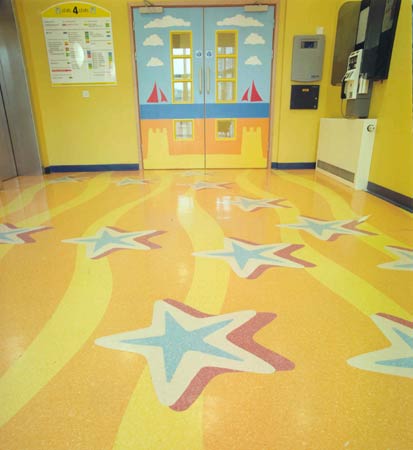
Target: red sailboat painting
x,y
154,97
253,97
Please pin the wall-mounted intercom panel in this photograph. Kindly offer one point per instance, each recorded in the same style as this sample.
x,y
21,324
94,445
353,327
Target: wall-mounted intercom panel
x,y
308,57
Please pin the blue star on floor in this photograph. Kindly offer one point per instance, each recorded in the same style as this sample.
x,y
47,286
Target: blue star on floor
x,y
404,261
396,359
328,230
250,260
186,348
200,185
10,234
128,181
251,204
109,239
68,179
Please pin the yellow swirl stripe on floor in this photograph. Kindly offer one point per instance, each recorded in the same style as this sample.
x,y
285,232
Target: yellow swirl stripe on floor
x,y
210,280
79,312
149,425
21,201
95,187
170,430
341,281
340,208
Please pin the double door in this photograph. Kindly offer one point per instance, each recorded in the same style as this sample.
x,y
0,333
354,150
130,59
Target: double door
x,y
204,83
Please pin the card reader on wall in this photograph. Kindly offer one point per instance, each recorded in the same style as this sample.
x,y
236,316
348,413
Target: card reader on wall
x,y
308,56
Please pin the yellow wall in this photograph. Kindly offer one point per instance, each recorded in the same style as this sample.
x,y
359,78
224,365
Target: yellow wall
x,y
392,162
73,130
296,131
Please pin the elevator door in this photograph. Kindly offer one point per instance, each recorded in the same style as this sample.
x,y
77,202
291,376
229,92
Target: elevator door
x,y
7,164
204,82
15,103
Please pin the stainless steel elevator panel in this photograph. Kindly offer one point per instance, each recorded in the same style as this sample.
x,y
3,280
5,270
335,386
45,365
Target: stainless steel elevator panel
x,y
7,165
16,97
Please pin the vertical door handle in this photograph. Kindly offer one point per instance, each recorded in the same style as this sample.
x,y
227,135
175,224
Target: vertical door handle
x,y
209,80
200,79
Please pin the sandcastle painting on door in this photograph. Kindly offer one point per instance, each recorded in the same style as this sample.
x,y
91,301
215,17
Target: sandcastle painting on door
x,y
205,97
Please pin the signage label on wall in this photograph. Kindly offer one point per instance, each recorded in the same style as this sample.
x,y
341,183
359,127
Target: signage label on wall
x,y
79,42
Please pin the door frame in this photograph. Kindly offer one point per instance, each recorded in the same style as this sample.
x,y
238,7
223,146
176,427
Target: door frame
x,y
6,153
206,4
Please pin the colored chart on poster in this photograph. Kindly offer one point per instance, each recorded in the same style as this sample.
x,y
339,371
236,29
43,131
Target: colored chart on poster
x,y
79,42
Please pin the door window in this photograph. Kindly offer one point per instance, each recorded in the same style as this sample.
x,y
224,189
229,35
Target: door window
x,y
226,66
181,66
225,129
183,130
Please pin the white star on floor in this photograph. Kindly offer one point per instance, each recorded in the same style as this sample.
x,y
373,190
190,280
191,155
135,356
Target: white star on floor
x,y
405,261
127,181
396,359
68,179
249,260
200,185
251,204
186,348
9,234
195,173
109,239
328,230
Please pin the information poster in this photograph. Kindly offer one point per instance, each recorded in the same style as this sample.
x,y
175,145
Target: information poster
x,y
79,41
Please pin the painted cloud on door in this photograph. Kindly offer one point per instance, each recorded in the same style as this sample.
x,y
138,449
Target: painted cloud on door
x,y
240,21
153,40
167,22
253,61
154,62
254,39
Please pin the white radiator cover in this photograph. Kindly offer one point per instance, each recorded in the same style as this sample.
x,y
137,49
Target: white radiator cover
x,y
345,147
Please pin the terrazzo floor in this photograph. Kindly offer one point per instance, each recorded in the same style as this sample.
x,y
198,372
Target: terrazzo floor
x,y
217,310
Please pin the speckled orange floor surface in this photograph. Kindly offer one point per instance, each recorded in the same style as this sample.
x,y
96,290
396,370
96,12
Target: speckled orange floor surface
x,y
226,310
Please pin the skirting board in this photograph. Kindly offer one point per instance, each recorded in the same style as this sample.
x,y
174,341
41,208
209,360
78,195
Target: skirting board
x,y
340,173
400,200
335,177
91,168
